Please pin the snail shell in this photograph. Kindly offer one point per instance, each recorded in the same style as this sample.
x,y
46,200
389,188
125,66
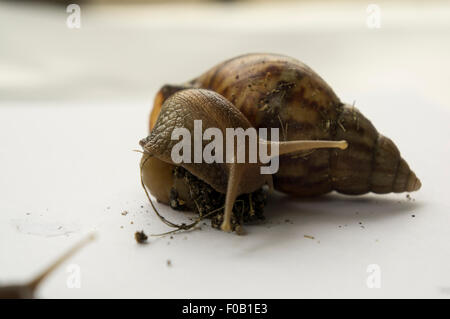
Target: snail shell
x,y
275,91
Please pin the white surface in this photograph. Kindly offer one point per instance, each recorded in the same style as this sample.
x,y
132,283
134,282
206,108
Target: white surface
x,y
74,104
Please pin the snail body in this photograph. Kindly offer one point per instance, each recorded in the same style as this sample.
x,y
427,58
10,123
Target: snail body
x,y
275,91
181,111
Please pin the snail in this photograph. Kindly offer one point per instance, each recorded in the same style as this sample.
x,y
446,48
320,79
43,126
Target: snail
x,y
230,177
275,91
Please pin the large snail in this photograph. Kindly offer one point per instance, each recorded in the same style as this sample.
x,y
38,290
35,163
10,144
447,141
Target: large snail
x,y
275,91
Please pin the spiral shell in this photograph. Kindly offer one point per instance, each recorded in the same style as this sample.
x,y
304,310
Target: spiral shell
x,y
275,91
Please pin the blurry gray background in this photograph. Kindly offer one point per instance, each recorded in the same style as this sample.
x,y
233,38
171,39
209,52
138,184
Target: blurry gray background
x,y
128,51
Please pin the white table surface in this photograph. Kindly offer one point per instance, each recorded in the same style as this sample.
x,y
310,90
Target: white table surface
x,y
74,104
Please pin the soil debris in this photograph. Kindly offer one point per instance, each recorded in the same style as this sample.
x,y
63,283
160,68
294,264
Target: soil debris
x,y
140,237
203,200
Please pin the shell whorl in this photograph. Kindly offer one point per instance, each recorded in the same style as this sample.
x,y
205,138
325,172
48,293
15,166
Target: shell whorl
x,y
372,162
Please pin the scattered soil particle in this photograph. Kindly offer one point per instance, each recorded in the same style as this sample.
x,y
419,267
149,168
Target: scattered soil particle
x,y
124,213
132,222
140,237
169,263
309,237
413,216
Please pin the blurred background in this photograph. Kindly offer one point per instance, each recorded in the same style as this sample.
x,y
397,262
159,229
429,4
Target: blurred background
x,y
128,49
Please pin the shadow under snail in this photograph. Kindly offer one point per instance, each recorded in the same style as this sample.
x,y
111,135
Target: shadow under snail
x,y
271,91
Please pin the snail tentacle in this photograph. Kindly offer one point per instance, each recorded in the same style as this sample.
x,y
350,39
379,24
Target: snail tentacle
x,y
300,145
234,179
